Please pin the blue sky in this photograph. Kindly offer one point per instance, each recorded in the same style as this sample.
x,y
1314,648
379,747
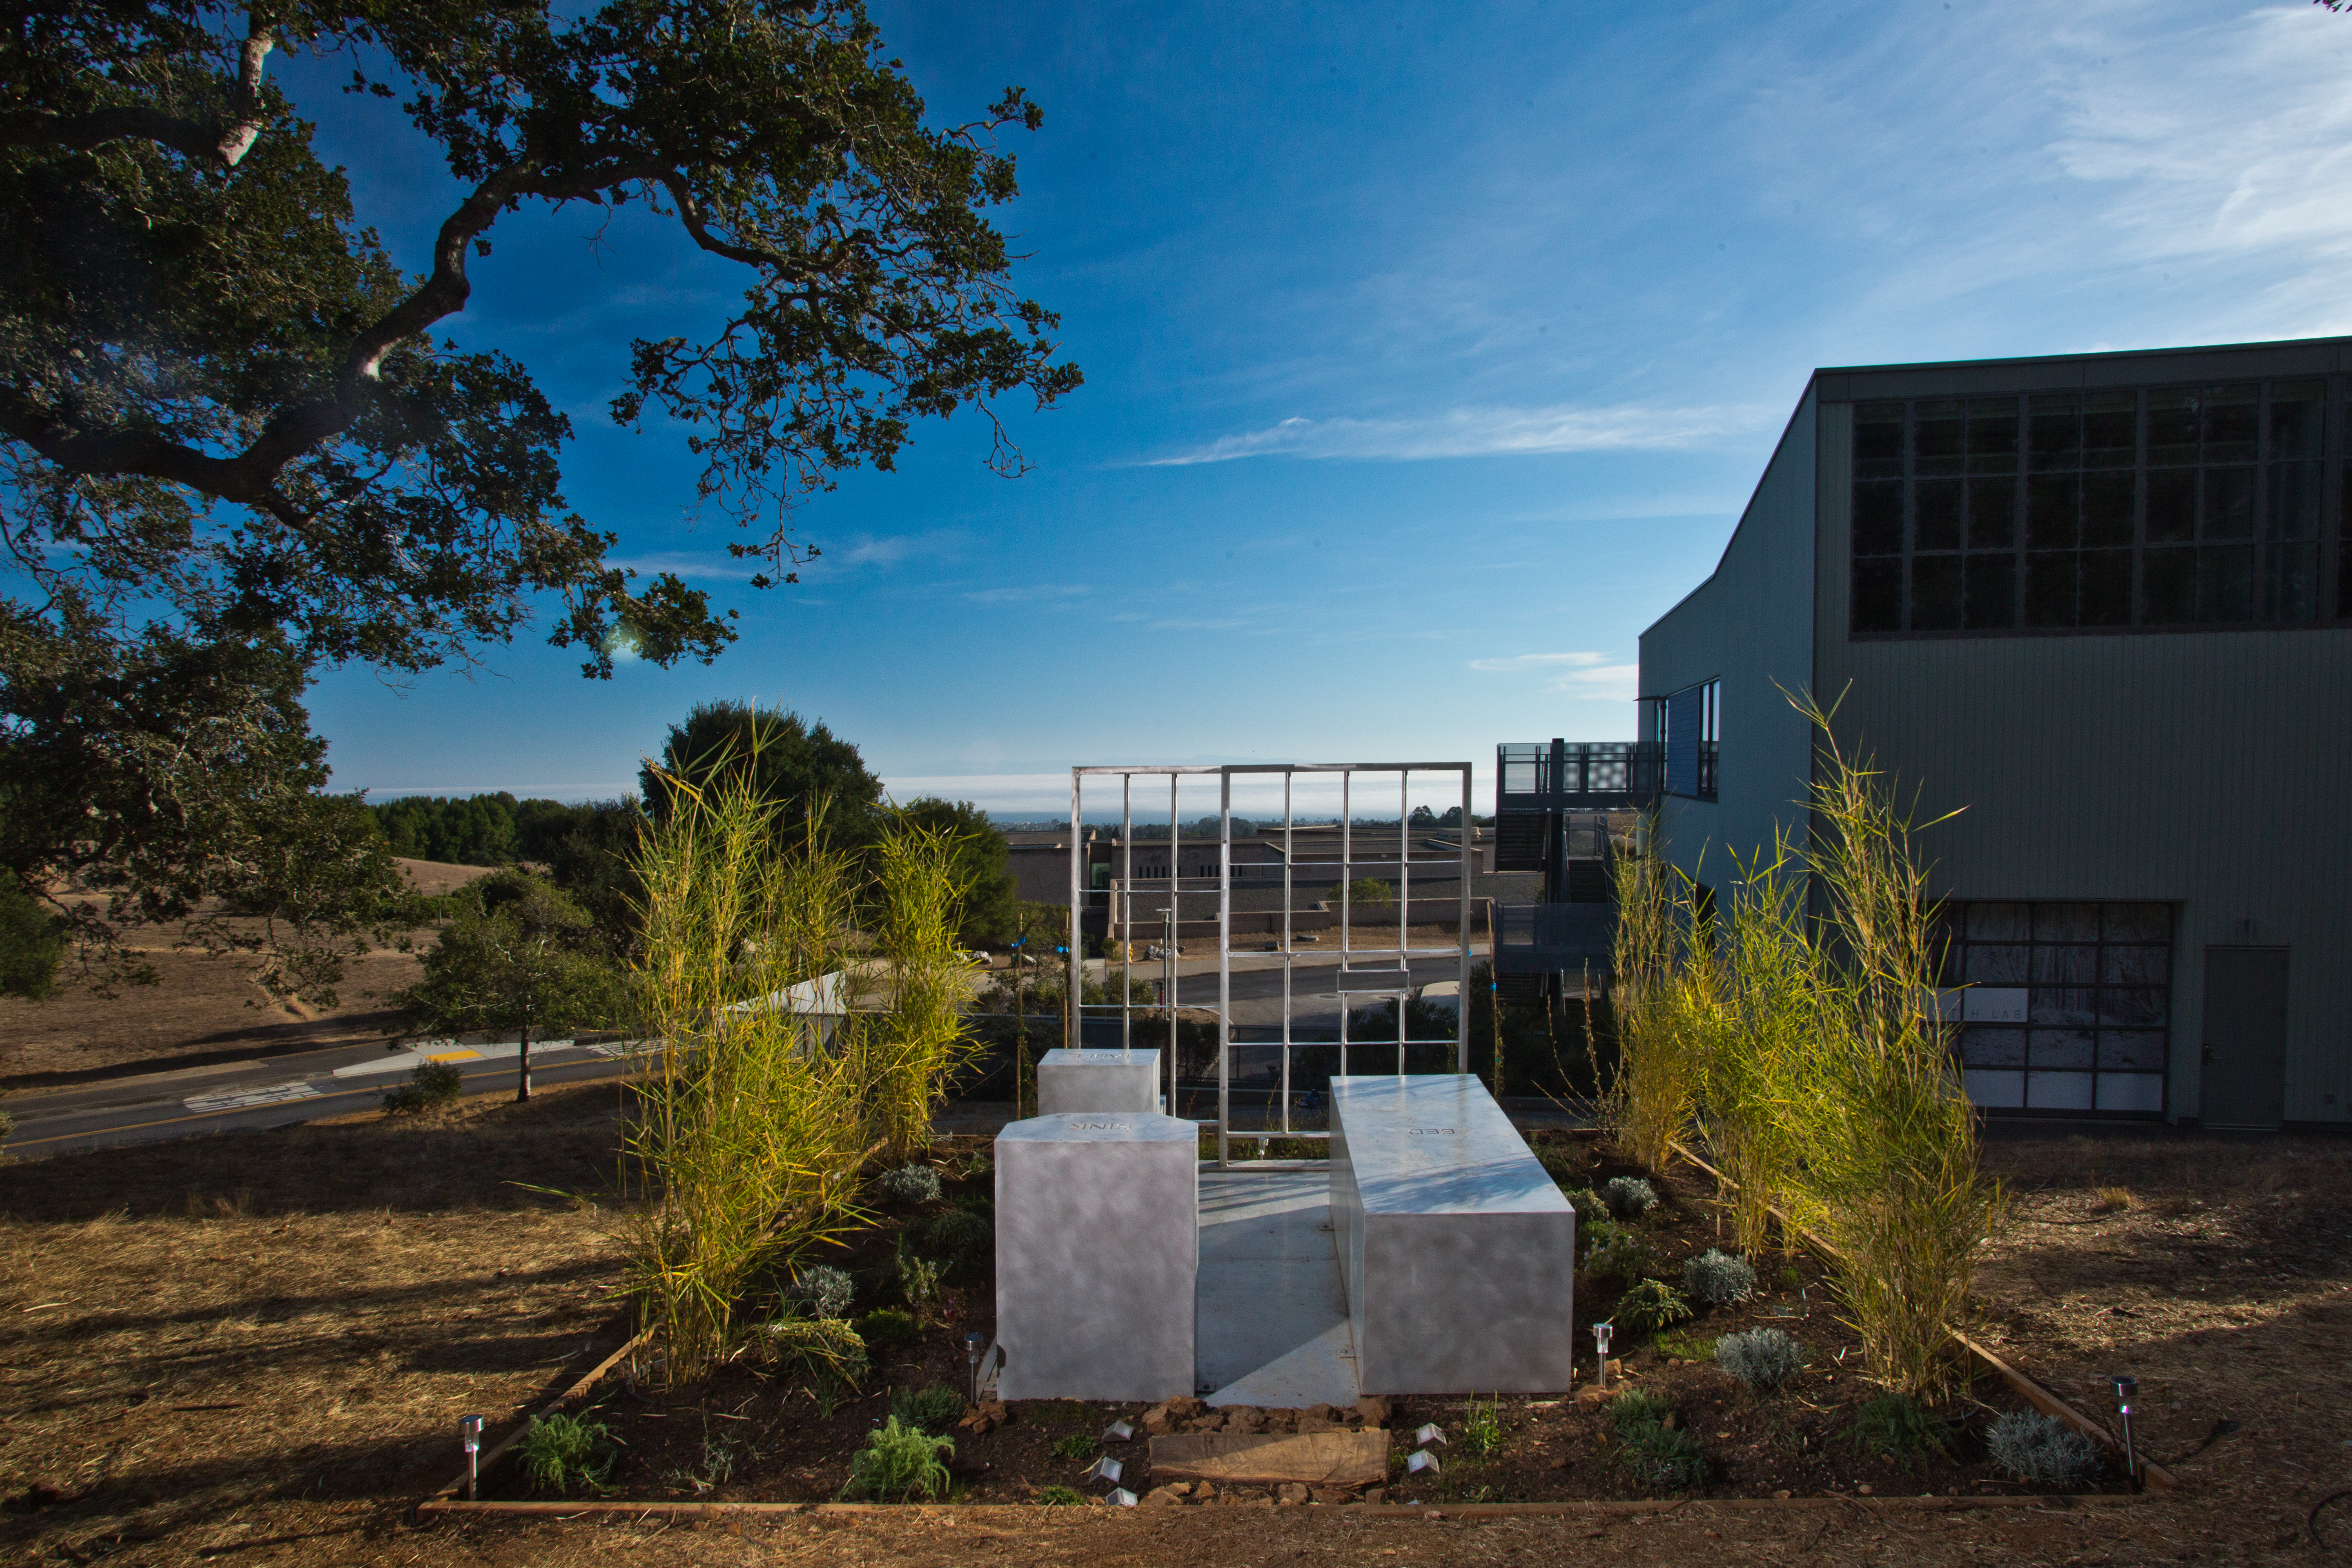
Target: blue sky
x,y
1431,353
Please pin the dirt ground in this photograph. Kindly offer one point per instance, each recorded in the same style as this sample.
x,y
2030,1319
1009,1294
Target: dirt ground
x,y
255,1347
201,1010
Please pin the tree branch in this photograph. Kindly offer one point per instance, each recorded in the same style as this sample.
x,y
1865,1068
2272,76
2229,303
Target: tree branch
x,y
226,144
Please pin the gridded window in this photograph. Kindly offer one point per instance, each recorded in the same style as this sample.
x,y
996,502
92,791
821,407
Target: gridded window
x,y
1689,721
2054,511
2065,1007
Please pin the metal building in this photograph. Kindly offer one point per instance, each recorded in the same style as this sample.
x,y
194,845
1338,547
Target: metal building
x,y
2100,606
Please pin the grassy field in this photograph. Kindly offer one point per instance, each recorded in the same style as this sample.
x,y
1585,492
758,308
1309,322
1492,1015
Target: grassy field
x,y
255,1347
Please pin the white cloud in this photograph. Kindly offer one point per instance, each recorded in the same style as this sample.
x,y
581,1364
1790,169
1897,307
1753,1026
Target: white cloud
x,y
1607,682
1477,433
1539,660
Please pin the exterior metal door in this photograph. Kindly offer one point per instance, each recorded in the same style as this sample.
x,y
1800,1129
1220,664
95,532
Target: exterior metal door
x,y
2245,1037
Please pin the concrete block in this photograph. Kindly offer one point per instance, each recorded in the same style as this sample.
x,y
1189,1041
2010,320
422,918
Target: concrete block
x,y
1098,1256
1458,1253
1097,1081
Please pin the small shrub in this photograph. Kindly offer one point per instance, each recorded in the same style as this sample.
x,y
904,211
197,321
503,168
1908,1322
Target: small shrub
x,y
1666,1458
1590,1209
1656,1454
1763,1359
1617,1253
897,1463
2042,1449
430,1087
910,1185
2114,1200
888,1326
919,1278
824,1357
821,1291
1061,1497
1482,1429
1634,1408
1718,1279
1649,1305
564,1450
1075,1447
1790,1279
926,1409
959,1235
1898,1425
1684,1346
1629,1198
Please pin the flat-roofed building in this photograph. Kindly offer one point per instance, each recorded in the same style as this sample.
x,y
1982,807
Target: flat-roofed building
x,y
2101,606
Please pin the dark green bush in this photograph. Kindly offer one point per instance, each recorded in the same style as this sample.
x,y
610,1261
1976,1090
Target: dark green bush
x,y
926,1409
888,1326
430,1087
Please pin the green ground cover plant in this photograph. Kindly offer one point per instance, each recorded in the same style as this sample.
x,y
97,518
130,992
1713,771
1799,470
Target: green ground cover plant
x,y
898,1463
566,1452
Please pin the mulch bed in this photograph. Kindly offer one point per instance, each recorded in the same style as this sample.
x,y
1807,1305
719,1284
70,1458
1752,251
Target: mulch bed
x,y
744,1434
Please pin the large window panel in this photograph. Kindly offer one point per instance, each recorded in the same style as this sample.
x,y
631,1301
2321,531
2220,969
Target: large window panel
x,y
2110,508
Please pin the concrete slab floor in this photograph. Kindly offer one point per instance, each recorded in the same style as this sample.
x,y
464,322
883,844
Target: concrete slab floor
x,y
1273,1324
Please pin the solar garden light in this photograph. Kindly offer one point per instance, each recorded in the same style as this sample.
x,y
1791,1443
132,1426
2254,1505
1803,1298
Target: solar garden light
x,y
2125,1388
469,1432
971,1346
1600,1332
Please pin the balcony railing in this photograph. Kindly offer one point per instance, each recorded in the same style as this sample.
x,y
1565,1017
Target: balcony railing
x,y
1553,939
1576,776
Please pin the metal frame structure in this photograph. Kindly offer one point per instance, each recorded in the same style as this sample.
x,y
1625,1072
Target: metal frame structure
x,y
1389,980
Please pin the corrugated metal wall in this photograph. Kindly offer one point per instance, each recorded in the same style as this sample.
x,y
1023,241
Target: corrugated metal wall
x,y
1750,626
2205,769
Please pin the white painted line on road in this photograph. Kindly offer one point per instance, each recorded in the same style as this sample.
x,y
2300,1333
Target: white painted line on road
x,y
241,1098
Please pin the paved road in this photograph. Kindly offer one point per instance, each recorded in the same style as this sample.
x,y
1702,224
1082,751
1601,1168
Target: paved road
x,y
274,1091
280,1091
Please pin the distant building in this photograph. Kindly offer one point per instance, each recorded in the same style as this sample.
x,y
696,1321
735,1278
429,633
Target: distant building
x,y
2101,605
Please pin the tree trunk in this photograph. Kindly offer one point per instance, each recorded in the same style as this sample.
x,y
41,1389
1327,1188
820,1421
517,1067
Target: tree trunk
x,y
523,1064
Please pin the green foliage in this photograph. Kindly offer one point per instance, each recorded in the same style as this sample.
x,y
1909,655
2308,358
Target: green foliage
x,y
926,1409
909,1185
1634,1408
32,942
2042,1449
1685,1345
429,1086
520,957
1716,1278
1898,1425
824,1357
799,770
1629,1198
173,772
1656,1454
1059,1496
1482,1429
898,1463
1074,1448
564,1451
985,916
919,1278
820,1291
1763,1359
961,1236
1370,893
1649,1305
888,1326
1616,1252
466,830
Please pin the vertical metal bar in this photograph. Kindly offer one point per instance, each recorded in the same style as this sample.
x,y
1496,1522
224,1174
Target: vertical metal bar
x,y
1074,985
1347,853
1174,925
1224,950
1125,910
1462,930
1285,949
1404,906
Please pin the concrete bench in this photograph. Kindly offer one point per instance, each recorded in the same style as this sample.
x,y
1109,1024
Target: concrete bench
x,y
1457,1249
1097,1081
1098,1256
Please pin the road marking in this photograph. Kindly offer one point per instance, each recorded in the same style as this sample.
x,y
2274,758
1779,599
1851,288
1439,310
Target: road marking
x,y
244,1098
455,1057
104,1132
